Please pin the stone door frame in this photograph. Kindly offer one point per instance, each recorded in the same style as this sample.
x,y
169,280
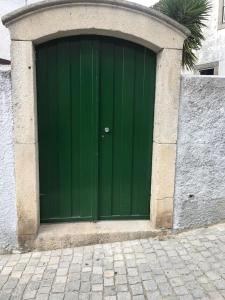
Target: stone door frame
x,y
44,21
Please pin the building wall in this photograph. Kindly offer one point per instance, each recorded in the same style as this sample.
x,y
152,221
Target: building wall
x,y
213,48
8,218
200,167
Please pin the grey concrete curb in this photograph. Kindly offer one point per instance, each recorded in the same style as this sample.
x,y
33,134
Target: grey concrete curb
x,y
10,17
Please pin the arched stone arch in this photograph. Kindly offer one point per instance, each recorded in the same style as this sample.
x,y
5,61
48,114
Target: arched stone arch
x,y
51,19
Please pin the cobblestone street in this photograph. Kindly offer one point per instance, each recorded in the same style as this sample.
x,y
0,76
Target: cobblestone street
x,y
190,265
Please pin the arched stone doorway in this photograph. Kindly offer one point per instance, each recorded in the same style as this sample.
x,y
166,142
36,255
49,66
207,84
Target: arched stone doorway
x,y
45,21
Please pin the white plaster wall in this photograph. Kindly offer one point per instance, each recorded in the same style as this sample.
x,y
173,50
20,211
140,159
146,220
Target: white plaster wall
x,y
213,48
8,218
200,166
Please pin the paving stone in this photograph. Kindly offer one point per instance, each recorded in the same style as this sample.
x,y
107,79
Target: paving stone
x,y
42,297
62,271
84,296
85,287
108,273
186,297
44,290
58,288
97,287
71,296
4,296
139,297
97,270
122,288
85,276
160,278
124,296
108,281
11,283
56,296
134,279
176,281
150,285
121,279
60,279
29,294
132,271
146,276
165,289
72,286
154,295
136,289
96,296
110,291
180,290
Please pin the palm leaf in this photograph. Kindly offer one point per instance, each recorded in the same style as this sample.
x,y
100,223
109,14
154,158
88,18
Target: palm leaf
x,y
193,14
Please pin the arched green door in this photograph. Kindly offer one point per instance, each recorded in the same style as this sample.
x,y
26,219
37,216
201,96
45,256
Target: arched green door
x,y
95,100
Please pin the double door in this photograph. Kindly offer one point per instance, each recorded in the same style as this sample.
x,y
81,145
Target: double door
x,y
95,101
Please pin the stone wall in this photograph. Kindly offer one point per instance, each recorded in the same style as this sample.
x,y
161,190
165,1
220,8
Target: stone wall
x,y
200,168
8,217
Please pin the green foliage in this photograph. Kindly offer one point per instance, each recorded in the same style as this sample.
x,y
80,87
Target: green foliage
x,y
192,14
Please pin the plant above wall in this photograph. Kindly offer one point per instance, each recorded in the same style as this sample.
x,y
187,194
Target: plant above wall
x,y
192,14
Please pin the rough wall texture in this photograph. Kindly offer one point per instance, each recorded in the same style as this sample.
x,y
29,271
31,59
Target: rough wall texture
x,y
200,170
8,217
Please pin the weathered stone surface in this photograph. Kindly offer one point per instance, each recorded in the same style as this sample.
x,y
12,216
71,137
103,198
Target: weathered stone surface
x,y
7,179
200,168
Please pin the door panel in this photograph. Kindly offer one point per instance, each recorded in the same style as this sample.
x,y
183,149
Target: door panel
x,y
127,107
86,84
67,71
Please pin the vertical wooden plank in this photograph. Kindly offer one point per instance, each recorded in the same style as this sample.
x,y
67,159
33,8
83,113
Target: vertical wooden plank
x,y
123,133
88,126
64,128
51,131
106,120
143,131
95,125
48,139
127,130
75,125
117,136
42,110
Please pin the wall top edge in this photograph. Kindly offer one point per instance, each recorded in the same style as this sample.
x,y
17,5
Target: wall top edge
x,y
32,8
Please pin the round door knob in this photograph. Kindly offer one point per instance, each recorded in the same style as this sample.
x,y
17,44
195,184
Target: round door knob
x,y
107,129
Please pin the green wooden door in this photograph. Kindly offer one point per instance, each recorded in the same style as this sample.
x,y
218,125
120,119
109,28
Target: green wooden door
x,y
95,100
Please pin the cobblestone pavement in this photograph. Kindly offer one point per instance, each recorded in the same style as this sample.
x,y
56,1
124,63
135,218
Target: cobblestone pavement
x,y
187,266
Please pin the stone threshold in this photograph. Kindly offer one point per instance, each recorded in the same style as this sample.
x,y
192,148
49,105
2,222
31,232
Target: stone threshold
x,y
65,235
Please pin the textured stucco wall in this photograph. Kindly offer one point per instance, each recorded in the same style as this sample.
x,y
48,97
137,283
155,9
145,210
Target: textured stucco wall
x,y
200,169
8,238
